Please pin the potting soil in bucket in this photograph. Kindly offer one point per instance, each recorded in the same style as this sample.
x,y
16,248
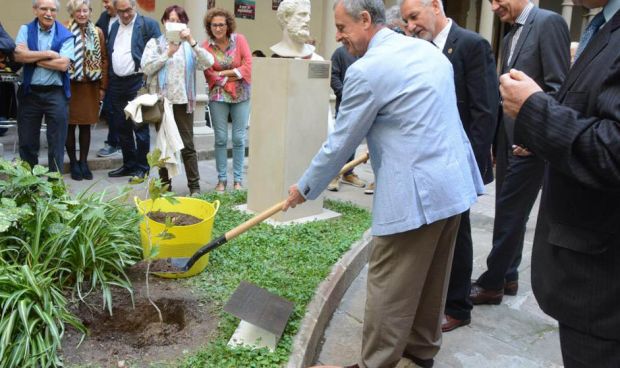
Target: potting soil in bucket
x,y
187,239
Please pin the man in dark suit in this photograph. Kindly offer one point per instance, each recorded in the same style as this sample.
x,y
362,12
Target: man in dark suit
x,y
539,44
576,254
112,144
107,17
126,41
476,85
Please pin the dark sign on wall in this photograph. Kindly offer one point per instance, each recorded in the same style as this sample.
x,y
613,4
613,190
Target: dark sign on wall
x,y
245,9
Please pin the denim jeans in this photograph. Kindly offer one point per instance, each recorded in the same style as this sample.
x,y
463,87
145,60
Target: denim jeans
x,y
54,106
219,113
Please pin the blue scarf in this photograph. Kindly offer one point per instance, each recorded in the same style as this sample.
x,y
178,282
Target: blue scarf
x,y
190,74
60,36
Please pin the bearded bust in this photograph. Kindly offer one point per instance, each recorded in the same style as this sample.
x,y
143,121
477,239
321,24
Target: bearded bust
x,y
294,18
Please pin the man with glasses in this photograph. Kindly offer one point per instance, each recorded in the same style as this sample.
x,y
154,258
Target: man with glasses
x,y
45,47
126,43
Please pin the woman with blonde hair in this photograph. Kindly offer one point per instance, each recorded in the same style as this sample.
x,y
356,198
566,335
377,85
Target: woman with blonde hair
x,y
89,79
229,91
171,70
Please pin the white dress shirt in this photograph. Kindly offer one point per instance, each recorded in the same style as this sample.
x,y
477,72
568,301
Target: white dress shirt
x,y
442,37
122,61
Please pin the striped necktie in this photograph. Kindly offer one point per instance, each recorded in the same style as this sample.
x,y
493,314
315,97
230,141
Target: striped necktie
x,y
589,33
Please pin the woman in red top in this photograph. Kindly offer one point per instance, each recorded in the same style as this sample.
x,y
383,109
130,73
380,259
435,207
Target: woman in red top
x,y
229,91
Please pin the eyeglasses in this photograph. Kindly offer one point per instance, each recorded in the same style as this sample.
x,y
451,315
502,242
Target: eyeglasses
x,y
124,11
83,11
218,25
51,10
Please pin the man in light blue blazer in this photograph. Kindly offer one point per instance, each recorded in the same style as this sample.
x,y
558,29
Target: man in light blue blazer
x,y
426,176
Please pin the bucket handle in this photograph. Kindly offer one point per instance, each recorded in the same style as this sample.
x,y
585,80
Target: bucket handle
x,y
216,204
137,202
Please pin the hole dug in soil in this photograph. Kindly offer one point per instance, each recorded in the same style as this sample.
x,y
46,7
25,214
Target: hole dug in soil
x,y
136,336
139,327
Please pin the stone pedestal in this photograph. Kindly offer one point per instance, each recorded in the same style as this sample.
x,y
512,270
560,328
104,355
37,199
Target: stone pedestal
x,y
290,105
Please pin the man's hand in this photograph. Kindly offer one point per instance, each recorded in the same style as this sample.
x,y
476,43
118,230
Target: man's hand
x,y
294,198
516,87
520,151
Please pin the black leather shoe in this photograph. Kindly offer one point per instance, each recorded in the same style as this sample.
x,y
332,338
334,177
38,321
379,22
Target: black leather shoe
x,y
76,171
121,171
424,363
480,295
511,288
86,173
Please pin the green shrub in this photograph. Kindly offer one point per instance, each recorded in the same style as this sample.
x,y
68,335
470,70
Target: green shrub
x,y
34,314
52,246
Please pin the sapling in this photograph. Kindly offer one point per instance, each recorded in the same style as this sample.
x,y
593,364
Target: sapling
x,y
155,190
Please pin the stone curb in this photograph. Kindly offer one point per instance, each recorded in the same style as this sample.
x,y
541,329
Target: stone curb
x,y
325,302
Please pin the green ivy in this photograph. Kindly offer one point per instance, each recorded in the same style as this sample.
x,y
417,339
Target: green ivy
x,y
289,261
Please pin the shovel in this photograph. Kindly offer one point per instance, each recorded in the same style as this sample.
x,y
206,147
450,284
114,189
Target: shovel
x,y
180,265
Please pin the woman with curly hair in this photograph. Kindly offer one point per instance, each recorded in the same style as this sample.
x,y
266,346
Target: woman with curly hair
x,y
229,91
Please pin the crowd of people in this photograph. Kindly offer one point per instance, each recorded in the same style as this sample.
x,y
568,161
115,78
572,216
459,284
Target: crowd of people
x,y
436,124
546,123
106,63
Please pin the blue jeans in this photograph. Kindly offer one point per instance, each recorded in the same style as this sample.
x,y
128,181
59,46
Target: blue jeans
x,y
51,103
123,90
240,113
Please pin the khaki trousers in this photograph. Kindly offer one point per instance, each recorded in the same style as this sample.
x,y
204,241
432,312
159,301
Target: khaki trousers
x,y
408,276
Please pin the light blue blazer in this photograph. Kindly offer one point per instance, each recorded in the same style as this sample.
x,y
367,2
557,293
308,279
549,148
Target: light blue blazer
x,y
400,97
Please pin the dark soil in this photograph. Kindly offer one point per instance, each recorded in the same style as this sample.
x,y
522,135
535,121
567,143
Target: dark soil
x,y
164,265
133,335
177,218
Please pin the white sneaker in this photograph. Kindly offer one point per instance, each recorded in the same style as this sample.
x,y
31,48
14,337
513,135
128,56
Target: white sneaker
x,y
370,189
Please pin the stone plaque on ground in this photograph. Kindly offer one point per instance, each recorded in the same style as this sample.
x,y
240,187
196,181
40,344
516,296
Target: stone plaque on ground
x,y
263,315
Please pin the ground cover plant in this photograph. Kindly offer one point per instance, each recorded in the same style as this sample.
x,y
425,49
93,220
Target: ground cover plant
x,y
55,249
288,261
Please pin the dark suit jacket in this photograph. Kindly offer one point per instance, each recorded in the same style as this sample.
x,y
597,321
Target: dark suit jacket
x,y
475,80
341,60
104,23
542,52
576,255
144,29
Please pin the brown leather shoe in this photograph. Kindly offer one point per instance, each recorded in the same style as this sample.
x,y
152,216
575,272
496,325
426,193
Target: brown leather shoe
x,y
424,363
511,288
480,295
450,323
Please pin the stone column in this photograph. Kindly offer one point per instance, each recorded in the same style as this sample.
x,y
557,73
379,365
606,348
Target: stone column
x,y
486,21
567,12
328,36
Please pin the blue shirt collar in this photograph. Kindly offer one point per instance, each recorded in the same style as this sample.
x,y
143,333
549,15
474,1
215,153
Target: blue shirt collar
x,y
610,9
51,30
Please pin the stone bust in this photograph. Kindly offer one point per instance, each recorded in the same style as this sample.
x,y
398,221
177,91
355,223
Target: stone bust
x,y
294,18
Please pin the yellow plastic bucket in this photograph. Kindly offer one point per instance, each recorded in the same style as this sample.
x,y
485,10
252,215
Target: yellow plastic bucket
x,y
187,239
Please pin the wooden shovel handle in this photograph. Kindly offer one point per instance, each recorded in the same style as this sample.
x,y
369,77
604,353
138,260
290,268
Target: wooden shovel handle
x,y
278,206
